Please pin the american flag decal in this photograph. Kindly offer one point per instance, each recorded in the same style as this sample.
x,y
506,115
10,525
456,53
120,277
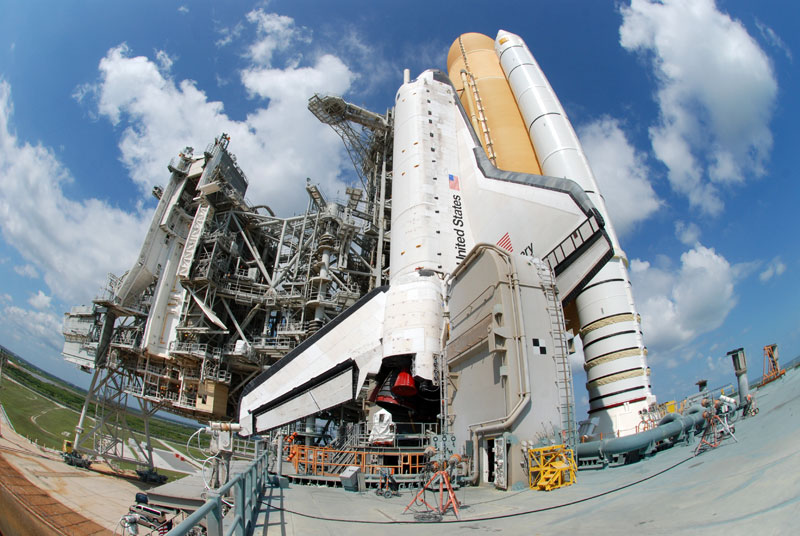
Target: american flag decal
x,y
505,243
454,183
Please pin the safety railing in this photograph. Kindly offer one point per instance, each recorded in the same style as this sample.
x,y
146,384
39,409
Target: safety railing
x,y
273,343
247,488
572,243
320,461
292,328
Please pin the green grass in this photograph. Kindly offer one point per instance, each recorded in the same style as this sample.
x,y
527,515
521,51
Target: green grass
x,y
31,408
43,421
61,393
23,407
60,422
68,397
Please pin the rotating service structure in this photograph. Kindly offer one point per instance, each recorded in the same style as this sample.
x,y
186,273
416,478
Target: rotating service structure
x,y
220,291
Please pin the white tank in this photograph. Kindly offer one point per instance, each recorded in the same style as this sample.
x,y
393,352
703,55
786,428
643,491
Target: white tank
x,y
618,378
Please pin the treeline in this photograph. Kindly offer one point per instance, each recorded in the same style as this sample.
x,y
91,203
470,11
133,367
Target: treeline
x,y
36,370
159,427
54,392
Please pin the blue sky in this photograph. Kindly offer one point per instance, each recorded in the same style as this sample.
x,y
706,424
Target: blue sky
x,y
687,111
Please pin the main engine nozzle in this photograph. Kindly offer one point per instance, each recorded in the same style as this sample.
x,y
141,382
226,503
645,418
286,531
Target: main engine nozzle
x,y
404,384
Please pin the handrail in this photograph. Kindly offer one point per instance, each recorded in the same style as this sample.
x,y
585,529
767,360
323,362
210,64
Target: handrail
x,y
321,461
247,489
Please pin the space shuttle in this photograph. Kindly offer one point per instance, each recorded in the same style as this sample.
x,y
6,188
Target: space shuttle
x,y
497,229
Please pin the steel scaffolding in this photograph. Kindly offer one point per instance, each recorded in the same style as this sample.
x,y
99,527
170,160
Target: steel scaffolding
x,y
223,290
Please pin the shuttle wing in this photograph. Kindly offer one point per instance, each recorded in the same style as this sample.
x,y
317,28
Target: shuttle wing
x,y
327,369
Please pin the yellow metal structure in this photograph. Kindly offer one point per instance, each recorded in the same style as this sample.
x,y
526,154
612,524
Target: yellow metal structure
x,y
67,446
475,71
551,467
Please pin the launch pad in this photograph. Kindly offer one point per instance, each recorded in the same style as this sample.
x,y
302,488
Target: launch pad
x,y
444,290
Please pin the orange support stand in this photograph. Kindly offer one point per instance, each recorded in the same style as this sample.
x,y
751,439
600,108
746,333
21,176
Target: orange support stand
x,y
772,369
443,479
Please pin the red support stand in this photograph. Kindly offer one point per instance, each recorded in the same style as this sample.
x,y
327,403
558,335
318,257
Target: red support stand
x,y
443,479
716,430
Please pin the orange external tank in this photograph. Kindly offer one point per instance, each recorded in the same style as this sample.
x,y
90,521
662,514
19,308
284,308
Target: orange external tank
x,y
475,71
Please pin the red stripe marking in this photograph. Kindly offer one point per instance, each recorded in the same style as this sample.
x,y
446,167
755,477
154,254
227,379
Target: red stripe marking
x,y
618,404
505,242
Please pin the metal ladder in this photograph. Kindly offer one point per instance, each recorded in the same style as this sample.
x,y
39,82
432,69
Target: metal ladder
x,y
442,376
344,447
560,353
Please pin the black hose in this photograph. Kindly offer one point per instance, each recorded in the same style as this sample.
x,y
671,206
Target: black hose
x,y
487,518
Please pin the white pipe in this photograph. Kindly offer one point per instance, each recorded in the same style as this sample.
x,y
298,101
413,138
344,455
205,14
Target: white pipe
x,y
224,426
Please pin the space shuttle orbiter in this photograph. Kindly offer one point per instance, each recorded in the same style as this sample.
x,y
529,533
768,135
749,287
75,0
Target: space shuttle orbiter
x,y
449,195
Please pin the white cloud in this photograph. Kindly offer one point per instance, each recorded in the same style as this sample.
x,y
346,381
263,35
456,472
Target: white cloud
x,y
74,244
81,91
678,305
221,82
621,173
228,35
372,69
577,359
6,298
718,368
297,84
33,328
274,33
278,144
183,9
27,270
164,60
687,233
716,92
771,37
774,268
40,301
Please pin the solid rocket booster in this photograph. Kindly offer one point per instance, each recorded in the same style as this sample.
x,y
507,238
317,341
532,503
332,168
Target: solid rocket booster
x,y
615,356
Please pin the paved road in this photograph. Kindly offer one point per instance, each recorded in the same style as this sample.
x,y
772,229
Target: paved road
x,y
101,498
162,459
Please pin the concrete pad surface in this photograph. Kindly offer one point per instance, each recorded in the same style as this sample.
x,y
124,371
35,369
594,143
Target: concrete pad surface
x,y
747,487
